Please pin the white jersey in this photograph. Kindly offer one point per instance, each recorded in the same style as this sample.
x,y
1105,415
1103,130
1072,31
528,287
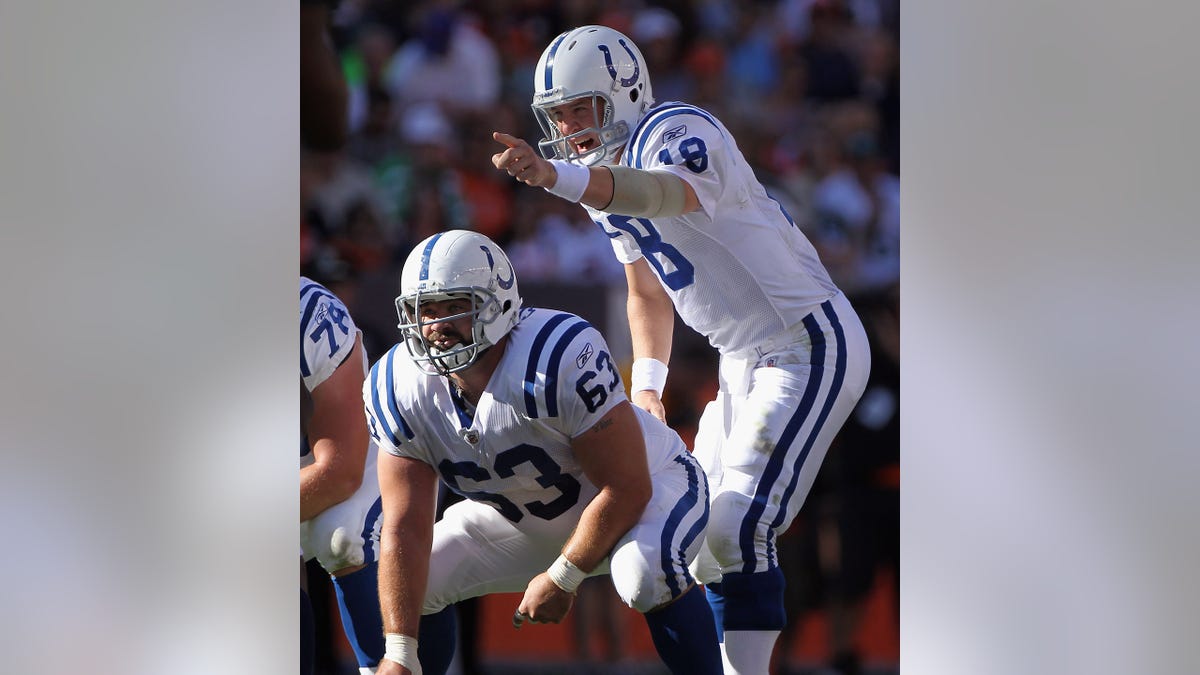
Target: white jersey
x,y
327,336
759,275
554,382
327,333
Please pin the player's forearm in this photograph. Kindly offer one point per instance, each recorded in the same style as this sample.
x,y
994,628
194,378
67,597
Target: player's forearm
x,y
606,519
623,190
403,573
649,193
599,190
651,325
337,435
408,490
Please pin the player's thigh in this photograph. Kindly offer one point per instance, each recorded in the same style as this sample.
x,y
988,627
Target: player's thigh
x,y
477,551
768,465
768,423
649,565
711,430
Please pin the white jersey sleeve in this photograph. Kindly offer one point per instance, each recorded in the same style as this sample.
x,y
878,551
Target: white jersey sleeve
x,y
690,143
327,333
570,378
388,392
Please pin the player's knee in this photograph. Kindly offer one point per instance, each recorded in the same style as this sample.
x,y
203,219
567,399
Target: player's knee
x,y
726,516
641,584
339,549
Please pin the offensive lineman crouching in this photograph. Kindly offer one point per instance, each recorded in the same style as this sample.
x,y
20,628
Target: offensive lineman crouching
x,y
522,412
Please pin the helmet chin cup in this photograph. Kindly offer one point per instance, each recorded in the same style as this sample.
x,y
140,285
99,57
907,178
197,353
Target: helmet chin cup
x,y
453,360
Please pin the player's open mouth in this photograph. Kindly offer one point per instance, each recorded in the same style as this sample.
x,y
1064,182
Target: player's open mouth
x,y
585,145
443,342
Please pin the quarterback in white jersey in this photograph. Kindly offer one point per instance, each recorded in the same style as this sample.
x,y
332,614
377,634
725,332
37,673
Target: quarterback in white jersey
x,y
698,234
522,411
339,487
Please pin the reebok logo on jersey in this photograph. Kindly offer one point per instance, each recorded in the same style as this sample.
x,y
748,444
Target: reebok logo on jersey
x,y
671,134
584,355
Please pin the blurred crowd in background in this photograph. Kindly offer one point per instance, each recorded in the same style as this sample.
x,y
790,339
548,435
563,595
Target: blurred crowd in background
x,y
810,89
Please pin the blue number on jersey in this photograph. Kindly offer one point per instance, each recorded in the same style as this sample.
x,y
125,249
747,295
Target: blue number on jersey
x,y
651,244
471,470
596,396
694,151
695,156
550,476
332,315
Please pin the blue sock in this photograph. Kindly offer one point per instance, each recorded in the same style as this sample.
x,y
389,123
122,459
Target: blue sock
x,y
748,601
685,636
436,642
716,601
308,635
358,602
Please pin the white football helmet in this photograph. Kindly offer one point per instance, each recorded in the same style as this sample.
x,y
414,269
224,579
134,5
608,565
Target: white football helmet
x,y
457,264
594,61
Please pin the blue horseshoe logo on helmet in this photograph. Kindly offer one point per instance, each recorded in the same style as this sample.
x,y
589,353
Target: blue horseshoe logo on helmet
x,y
492,264
637,68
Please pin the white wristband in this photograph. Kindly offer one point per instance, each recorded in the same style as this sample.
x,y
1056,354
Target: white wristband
x,y
565,574
403,650
572,180
648,373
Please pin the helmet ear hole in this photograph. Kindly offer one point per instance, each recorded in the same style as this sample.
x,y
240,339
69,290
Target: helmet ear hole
x,y
633,95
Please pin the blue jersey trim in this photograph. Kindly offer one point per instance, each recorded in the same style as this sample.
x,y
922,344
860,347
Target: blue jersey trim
x,y
560,347
319,292
648,122
311,284
535,355
460,407
391,397
375,404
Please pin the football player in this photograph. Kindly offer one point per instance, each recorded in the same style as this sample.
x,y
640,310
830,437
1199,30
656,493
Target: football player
x,y
522,411
339,488
698,234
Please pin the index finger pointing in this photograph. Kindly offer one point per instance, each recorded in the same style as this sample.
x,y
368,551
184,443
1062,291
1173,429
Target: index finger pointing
x,y
510,141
